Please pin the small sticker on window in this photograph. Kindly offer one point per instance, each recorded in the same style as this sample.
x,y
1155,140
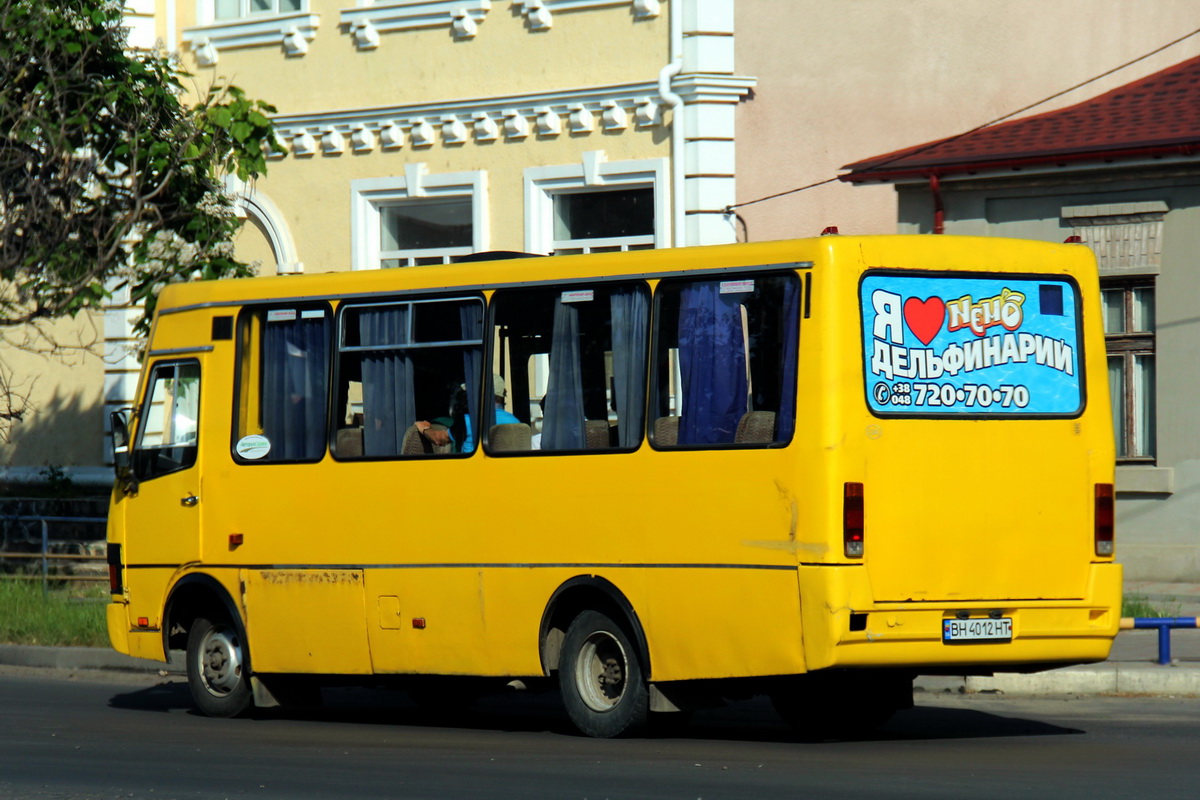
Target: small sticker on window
x,y
579,296
313,313
253,447
737,287
281,315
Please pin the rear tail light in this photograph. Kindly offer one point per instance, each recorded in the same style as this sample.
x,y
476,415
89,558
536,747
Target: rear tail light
x,y
1104,519
114,569
852,520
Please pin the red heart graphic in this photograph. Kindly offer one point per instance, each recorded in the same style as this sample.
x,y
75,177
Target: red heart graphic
x,y
924,317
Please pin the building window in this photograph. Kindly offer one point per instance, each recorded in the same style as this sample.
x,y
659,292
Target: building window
x,y
604,221
597,206
1129,340
417,220
237,9
424,231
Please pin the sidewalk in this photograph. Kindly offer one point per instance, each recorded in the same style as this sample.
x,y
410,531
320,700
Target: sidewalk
x,y
1132,666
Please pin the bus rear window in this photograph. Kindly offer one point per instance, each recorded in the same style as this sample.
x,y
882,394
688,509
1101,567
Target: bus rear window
x,y
936,345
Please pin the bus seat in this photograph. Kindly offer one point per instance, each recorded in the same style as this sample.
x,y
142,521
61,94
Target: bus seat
x,y
596,432
666,431
755,427
509,437
417,445
349,443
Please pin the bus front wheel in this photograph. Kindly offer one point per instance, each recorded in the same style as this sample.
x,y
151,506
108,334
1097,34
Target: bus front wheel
x,y
216,668
601,678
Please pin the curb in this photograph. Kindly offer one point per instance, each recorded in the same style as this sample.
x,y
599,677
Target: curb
x,y
1107,679
98,658
1112,678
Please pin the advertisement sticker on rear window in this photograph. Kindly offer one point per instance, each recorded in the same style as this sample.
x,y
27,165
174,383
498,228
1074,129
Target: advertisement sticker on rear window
x,y
987,346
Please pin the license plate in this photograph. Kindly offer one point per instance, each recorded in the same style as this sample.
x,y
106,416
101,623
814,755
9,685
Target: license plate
x,y
966,631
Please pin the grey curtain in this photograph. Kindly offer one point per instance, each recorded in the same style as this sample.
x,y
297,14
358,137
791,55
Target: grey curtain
x,y
563,426
471,318
295,387
389,406
630,326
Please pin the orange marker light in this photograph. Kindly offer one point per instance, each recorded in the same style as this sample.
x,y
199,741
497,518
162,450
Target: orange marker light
x,y
419,623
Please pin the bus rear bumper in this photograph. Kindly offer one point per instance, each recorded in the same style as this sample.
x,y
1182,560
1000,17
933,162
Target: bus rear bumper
x,y
843,627
118,627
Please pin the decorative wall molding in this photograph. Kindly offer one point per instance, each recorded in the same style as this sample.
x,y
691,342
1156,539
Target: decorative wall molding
x,y
271,220
581,112
292,32
365,23
699,87
539,14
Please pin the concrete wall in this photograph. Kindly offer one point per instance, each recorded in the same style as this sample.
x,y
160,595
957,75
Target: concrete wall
x,y
841,82
55,372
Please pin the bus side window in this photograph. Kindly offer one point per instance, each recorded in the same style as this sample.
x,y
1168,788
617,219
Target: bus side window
x,y
283,380
408,377
725,363
574,364
169,421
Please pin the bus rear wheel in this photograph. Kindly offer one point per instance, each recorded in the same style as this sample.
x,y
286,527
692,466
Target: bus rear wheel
x,y
601,678
216,668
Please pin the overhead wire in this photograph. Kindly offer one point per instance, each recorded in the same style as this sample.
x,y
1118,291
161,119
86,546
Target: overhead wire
x,y
729,209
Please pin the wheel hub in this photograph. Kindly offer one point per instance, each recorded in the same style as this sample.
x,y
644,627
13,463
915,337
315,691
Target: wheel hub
x,y
221,661
600,672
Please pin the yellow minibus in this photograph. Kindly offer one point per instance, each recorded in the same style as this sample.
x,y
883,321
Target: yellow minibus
x,y
655,479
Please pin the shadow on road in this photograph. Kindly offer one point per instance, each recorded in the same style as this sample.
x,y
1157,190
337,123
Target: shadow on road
x,y
542,712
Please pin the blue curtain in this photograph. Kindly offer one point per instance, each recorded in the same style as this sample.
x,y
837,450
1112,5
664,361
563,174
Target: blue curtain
x,y
389,406
785,420
630,318
562,426
295,387
712,360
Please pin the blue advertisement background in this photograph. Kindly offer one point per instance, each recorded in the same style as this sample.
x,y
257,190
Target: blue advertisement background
x,y
1030,369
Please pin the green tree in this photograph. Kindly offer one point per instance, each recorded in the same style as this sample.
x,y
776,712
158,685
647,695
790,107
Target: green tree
x,y
108,176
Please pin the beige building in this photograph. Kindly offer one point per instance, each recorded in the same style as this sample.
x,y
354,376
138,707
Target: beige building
x,y
419,131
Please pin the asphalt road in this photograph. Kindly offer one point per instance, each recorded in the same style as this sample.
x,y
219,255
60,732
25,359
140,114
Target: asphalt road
x,y
106,736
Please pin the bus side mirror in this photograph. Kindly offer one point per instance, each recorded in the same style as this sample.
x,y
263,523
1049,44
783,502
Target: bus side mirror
x,y
119,423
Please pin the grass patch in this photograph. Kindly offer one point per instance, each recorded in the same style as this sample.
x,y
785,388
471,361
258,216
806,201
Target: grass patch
x,y
65,616
1136,605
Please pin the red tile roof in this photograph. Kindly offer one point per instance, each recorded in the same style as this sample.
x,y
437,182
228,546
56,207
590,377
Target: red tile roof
x,y
1157,115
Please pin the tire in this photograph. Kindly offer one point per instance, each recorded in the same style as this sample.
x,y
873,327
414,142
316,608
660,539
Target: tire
x,y
601,678
822,706
217,670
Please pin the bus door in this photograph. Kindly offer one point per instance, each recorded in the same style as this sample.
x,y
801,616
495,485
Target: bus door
x,y
164,502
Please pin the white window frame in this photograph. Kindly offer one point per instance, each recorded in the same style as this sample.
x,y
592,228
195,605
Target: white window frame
x,y
594,174
369,195
208,11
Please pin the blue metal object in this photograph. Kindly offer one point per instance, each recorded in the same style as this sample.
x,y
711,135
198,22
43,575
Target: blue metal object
x,y
1164,626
